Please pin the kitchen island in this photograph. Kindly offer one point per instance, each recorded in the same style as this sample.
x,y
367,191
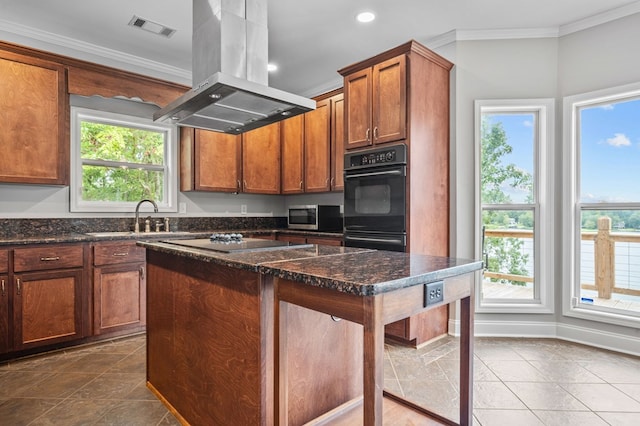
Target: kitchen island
x,y
290,336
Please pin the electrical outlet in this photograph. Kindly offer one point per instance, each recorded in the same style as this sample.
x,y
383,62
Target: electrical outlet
x,y
433,293
182,207
243,209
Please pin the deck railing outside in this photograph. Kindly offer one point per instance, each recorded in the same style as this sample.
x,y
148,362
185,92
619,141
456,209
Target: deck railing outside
x,y
604,259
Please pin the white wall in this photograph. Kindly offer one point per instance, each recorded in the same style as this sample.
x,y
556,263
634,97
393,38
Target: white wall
x,y
592,59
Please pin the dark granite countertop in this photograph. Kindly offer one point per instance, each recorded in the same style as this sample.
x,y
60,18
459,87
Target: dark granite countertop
x,y
360,272
78,237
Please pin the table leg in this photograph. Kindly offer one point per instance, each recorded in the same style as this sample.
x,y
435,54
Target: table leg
x,y
373,361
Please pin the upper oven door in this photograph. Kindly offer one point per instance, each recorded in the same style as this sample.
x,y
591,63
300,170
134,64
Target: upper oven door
x,y
374,199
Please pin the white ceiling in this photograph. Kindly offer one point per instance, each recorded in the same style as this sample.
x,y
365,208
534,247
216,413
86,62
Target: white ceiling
x,y
308,39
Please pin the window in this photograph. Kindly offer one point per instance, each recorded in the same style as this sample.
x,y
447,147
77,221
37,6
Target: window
x,y
514,139
119,159
602,211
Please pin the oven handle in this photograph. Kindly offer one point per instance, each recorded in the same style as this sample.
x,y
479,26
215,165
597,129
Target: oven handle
x,y
388,172
375,240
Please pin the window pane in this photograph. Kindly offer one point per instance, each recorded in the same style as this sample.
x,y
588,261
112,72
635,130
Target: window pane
x,y
610,152
508,141
508,251
121,184
124,144
609,272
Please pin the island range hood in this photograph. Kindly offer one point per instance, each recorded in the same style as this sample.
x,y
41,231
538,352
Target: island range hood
x,y
230,91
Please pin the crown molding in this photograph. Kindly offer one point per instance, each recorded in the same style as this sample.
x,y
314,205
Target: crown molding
x,y
599,19
83,50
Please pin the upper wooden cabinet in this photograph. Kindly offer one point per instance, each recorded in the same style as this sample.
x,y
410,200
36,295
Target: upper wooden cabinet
x,y
317,148
4,301
213,161
337,142
33,111
261,160
292,135
375,100
210,161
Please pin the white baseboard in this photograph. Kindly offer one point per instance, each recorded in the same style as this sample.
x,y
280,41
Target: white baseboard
x,y
597,338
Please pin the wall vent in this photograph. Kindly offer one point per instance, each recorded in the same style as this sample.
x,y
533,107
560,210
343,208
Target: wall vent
x,y
153,27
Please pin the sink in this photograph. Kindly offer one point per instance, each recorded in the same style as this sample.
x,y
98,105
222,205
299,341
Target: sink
x,y
137,234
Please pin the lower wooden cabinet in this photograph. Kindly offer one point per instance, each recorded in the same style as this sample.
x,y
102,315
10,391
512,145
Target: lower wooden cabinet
x,y
47,294
119,287
302,239
4,301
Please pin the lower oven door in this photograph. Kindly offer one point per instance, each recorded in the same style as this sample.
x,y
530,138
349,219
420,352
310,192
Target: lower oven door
x,y
376,240
374,199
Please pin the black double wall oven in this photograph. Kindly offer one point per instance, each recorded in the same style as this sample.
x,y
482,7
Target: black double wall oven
x,y
375,198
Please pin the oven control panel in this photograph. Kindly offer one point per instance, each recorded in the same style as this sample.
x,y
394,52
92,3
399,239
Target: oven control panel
x,y
382,156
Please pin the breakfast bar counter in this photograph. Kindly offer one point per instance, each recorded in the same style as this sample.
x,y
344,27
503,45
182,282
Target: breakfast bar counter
x,y
291,336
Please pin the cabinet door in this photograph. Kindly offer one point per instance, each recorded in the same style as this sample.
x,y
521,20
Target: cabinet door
x,y
317,147
298,239
217,161
4,313
293,155
337,143
261,160
119,297
325,241
390,100
357,103
33,107
47,308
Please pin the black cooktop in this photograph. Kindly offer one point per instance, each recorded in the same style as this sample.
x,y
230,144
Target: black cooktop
x,y
237,246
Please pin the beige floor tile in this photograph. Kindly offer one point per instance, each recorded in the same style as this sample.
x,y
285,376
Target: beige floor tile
x,y
488,395
22,411
569,418
545,396
563,371
507,417
621,419
602,397
633,390
515,371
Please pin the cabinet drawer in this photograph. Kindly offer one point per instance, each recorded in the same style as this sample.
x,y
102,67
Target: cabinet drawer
x,y
4,261
119,252
47,257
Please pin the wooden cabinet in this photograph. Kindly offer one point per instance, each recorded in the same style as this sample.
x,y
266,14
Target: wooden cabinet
x,y
293,155
33,108
4,301
402,96
261,160
219,162
47,295
317,148
375,99
337,142
302,239
119,287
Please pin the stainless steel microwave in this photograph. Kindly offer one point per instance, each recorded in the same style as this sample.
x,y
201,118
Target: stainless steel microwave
x,y
315,217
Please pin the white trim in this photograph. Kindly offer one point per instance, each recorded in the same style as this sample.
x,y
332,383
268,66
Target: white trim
x,y
93,49
538,329
545,178
571,237
76,204
600,18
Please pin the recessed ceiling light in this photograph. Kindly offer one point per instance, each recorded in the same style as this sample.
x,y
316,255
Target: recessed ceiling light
x,y
153,27
272,67
365,16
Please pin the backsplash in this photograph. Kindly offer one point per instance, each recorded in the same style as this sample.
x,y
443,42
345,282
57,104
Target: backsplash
x,y
10,228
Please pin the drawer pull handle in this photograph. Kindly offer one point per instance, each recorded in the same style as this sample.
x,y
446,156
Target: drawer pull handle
x,y
18,289
49,259
121,254
3,289
142,272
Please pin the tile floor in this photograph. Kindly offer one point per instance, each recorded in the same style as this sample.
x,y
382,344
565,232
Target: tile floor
x,y
517,382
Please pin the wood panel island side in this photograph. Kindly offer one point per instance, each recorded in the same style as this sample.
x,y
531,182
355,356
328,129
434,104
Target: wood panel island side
x,y
292,336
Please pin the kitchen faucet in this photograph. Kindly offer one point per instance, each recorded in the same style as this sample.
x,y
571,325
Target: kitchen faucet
x,y
137,224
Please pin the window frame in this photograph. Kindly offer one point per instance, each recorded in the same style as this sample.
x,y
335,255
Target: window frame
x,y
572,206
543,204
82,113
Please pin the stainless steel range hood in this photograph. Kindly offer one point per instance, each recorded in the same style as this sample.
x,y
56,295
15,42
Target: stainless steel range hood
x,y
229,55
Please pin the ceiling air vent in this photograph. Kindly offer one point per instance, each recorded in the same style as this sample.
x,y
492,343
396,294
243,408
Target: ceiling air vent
x,y
153,27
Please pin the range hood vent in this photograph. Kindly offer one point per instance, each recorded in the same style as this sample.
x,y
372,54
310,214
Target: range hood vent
x,y
230,92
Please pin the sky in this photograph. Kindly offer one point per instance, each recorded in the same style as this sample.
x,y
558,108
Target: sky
x,y
610,152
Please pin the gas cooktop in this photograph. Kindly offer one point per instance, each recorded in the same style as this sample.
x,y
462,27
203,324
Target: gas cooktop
x,y
235,245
